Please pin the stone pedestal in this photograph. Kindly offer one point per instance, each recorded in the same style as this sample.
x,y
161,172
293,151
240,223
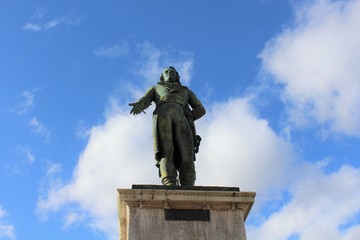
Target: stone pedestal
x,y
153,212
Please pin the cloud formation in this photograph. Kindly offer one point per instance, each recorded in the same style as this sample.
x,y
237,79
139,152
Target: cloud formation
x,y
26,103
26,151
37,24
7,231
317,60
111,159
321,207
233,134
316,63
39,128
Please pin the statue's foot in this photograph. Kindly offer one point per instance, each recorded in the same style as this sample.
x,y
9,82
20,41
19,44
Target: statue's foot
x,y
187,181
169,181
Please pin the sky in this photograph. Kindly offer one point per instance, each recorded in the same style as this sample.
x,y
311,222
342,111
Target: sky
x,y
280,80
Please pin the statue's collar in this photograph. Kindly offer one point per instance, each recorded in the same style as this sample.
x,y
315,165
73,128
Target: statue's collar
x,y
174,86
170,83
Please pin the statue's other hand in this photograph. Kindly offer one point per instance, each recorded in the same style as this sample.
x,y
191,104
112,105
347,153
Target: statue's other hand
x,y
136,108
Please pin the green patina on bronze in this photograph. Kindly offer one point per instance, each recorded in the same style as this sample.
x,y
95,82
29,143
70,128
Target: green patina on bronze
x,y
175,139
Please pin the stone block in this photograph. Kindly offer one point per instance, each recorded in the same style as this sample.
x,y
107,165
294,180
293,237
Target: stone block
x,y
149,212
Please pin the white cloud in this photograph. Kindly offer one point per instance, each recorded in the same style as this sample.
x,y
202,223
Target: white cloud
x,y
111,159
39,128
149,64
2,212
53,23
185,69
352,233
82,131
72,219
26,151
7,231
39,14
36,22
244,147
26,103
321,207
19,165
317,62
32,27
116,50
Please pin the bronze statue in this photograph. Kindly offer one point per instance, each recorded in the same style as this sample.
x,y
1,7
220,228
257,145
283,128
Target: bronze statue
x,y
175,139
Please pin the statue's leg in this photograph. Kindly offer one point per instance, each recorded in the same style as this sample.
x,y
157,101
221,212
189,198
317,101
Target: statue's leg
x,y
185,145
167,170
166,145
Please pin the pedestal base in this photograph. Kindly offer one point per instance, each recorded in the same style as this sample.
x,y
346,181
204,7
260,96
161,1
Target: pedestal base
x,y
152,212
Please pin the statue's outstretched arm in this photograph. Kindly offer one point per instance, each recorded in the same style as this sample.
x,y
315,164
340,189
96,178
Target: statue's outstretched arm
x,y
137,108
142,103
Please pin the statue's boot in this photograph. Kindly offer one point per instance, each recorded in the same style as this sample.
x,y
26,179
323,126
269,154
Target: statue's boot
x,y
169,181
187,174
187,179
187,182
167,172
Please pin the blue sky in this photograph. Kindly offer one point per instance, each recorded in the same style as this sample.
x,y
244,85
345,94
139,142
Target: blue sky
x,y
280,81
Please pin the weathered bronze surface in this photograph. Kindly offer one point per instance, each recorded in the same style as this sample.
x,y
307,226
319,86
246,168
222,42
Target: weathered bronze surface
x,y
175,139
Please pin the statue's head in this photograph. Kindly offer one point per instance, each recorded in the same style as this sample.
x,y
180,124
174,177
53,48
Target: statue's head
x,y
170,75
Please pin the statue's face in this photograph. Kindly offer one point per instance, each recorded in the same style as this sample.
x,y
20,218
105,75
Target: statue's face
x,y
169,75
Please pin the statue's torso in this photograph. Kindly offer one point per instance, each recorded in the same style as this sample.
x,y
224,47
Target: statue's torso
x,y
171,93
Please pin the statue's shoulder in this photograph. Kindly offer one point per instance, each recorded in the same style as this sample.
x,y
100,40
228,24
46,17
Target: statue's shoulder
x,y
158,86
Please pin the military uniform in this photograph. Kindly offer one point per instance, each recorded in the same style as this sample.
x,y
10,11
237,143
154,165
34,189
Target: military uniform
x,y
174,130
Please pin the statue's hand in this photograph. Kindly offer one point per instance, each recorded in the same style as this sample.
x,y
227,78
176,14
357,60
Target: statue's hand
x,y
137,108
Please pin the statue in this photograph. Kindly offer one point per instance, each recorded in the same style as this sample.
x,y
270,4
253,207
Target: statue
x,y
175,139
